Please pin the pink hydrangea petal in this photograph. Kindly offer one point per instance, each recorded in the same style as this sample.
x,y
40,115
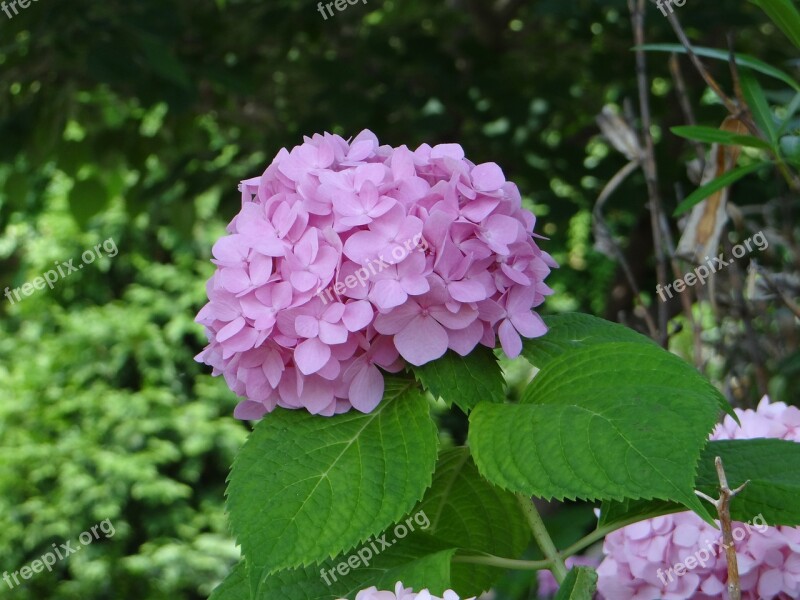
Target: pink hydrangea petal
x,y
421,341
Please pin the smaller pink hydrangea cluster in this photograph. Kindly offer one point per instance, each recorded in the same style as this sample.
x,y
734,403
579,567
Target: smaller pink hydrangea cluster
x,y
402,593
638,557
347,257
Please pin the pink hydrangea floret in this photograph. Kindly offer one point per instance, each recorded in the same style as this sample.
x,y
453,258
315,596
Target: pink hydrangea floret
x,y
403,593
350,259
638,557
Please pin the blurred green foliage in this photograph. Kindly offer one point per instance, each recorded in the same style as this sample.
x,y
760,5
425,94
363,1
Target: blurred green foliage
x,y
134,121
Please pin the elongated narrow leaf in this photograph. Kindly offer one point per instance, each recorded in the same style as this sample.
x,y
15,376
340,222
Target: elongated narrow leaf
x,y
603,422
785,15
757,102
304,487
712,135
703,192
580,584
743,60
464,380
418,561
465,511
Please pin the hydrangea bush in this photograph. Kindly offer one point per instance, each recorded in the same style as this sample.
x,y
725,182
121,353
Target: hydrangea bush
x,y
361,282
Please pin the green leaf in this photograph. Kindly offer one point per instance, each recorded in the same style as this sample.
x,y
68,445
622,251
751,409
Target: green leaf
x,y
464,380
785,16
743,60
790,148
418,561
603,422
304,487
86,199
757,102
580,584
723,181
711,135
234,586
571,331
467,512
773,468
618,514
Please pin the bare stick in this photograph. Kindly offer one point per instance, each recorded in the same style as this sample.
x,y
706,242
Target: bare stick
x,y
636,8
723,506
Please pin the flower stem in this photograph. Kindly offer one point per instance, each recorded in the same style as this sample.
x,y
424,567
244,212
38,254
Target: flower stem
x,y
543,538
504,563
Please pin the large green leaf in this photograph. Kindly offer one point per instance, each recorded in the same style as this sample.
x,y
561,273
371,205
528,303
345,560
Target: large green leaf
x,y
580,584
464,380
772,467
603,422
304,488
572,331
743,60
234,586
712,135
785,15
467,512
723,181
419,561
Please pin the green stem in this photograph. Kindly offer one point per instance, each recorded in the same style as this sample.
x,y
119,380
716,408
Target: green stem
x,y
504,563
543,538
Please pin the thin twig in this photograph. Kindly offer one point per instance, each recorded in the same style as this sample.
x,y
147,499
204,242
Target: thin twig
x,y
636,8
686,106
597,213
790,304
723,506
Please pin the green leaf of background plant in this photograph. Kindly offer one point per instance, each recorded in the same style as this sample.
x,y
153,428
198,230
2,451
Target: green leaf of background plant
x,y
604,422
784,14
418,561
469,513
580,584
464,380
712,135
703,192
304,487
757,102
743,60
86,199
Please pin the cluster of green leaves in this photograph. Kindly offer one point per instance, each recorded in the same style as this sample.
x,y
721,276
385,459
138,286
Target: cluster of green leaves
x,y
609,417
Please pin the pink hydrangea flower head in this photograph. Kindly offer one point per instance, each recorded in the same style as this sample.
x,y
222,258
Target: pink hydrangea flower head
x,y
349,259
638,558
403,593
